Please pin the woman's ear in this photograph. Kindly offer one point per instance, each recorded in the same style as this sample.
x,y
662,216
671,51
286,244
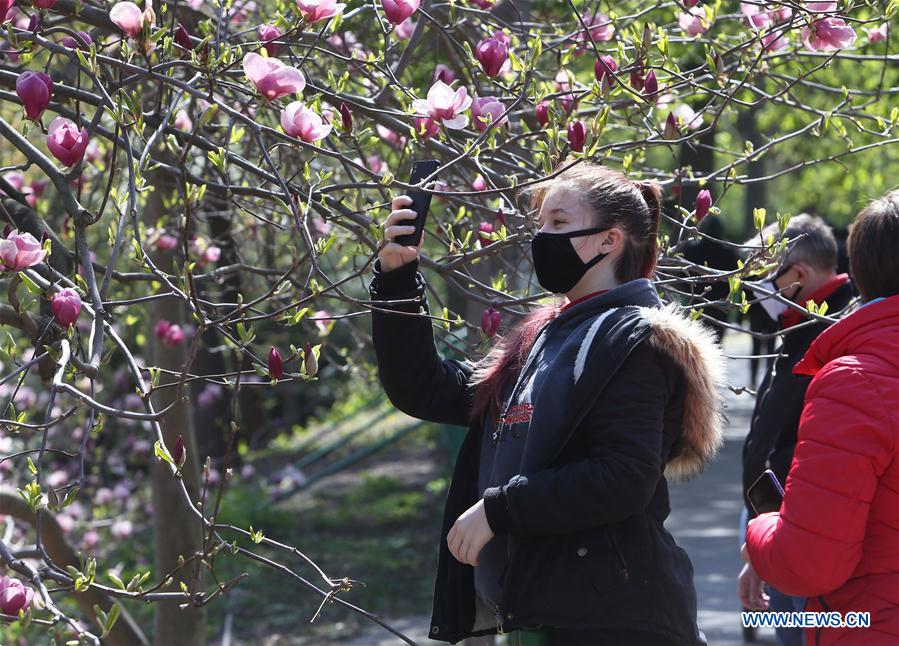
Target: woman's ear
x,y
611,240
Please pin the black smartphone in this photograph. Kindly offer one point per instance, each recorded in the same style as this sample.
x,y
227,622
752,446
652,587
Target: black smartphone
x,y
765,494
421,200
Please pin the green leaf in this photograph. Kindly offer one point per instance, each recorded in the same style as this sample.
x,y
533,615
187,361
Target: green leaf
x,y
161,453
30,285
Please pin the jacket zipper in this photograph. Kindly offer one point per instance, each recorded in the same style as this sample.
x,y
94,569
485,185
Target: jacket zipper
x,y
625,573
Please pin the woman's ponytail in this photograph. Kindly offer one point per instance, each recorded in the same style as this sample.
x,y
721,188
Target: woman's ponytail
x,y
652,195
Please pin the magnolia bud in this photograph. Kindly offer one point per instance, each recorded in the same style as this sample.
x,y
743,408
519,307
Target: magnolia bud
x,y
703,204
490,320
178,454
275,364
309,360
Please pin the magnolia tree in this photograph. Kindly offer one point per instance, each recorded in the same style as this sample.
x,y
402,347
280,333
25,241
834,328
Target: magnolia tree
x,y
193,192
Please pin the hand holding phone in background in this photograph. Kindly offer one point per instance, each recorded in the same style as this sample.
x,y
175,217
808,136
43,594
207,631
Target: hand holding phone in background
x,y
765,494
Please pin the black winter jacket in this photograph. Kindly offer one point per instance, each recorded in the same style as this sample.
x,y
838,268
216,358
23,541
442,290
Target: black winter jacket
x,y
778,405
630,396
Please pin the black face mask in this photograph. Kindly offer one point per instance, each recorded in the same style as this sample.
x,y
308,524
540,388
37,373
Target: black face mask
x,y
779,274
556,262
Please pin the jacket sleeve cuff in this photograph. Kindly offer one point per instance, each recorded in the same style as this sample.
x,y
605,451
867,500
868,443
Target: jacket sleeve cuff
x,y
496,510
397,281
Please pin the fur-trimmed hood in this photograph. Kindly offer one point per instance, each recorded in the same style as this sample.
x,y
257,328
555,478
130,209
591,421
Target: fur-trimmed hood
x,y
692,346
576,355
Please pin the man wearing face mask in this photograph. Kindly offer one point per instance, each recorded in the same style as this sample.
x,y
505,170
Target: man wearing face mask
x,y
807,271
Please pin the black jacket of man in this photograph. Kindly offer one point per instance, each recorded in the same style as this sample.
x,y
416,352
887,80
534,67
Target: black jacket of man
x,y
778,406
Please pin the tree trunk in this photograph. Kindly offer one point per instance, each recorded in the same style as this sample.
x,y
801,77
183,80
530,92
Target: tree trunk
x,y
177,532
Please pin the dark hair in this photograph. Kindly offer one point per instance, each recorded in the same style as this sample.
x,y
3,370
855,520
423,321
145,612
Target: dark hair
x,y
874,248
614,200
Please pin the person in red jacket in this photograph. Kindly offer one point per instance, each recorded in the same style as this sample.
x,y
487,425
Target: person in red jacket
x,y
836,537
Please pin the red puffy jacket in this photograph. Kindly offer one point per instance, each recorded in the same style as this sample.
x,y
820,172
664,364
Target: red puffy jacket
x,y
836,538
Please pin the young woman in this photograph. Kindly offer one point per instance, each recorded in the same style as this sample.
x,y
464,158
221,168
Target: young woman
x,y
554,517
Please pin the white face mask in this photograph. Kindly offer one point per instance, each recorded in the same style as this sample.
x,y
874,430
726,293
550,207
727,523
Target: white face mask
x,y
772,306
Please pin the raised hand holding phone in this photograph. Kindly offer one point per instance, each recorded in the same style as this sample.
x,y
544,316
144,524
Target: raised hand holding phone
x,y
402,237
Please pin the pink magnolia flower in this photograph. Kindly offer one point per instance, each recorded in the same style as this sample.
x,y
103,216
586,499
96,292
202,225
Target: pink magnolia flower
x,y
268,33
821,7
91,538
486,110
774,41
38,186
479,183
563,84
174,335
391,137
182,37
14,596
122,529
703,204
445,105
541,111
694,22
209,395
483,4
65,141
44,4
34,90
577,135
780,15
490,321
20,251
687,117
604,68
322,319
316,10
600,28
877,34
443,73
376,164
484,228
161,328
183,121
165,242
241,13
492,53
828,34
205,252
72,43
301,121
93,153
398,10
32,192
690,3
130,19
404,29
754,16
66,306
272,78
426,127
5,6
